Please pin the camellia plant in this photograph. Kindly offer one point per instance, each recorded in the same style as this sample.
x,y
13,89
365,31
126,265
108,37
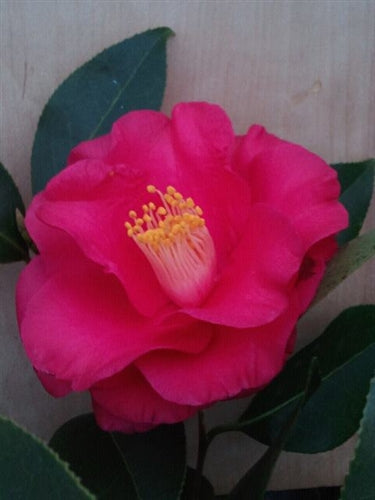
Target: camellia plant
x,y
168,263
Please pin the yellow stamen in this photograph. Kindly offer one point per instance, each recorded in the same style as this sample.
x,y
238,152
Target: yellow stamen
x,y
174,238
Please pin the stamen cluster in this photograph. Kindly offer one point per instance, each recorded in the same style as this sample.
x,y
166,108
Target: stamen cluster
x,y
164,225
177,244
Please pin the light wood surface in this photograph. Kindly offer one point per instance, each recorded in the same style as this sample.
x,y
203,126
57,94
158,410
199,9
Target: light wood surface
x,y
304,69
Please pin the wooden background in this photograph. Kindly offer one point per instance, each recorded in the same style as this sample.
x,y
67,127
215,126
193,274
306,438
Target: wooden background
x,y
304,69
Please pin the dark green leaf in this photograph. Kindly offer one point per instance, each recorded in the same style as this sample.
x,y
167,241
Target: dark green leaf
x,y
357,180
127,76
156,461
254,483
31,470
206,491
347,260
360,483
12,246
346,355
93,456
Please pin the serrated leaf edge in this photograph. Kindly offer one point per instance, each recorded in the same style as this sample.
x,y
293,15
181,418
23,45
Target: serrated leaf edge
x,y
64,465
352,462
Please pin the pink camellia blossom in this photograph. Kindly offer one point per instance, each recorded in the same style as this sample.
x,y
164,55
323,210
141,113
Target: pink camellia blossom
x,y
175,260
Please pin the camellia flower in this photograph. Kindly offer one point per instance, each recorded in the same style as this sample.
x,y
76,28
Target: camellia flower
x,y
175,260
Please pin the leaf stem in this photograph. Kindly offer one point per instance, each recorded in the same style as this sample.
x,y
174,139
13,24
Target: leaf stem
x,y
202,450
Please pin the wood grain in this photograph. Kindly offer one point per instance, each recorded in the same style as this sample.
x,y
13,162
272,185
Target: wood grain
x,y
305,70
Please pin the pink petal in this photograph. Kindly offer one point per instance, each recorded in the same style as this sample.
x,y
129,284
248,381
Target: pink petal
x,y
57,388
109,422
257,140
93,197
77,325
312,271
57,243
236,361
142,139
96,149
254,288
294,181
129,398
203,141
88,203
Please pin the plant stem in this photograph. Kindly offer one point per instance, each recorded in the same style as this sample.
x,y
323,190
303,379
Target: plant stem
x,y
202,450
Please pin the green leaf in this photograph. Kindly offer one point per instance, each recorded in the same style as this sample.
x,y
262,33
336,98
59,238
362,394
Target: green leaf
x,y
94,457
357,181
127,76
360,483
29,469
12,246
206,491
156,461
347,260
254,483
346,355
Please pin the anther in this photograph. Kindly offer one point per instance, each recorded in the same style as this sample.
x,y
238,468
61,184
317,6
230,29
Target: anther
x,y
177,244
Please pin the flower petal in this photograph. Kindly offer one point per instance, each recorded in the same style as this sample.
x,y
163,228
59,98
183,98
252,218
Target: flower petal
x,y
57,388
88,330
203,141
294,181
254,288
257,140
235,361
89,202
96,149
142,139
109,422
312,270
132,401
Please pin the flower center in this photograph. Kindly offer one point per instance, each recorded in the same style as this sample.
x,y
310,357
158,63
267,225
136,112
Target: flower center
x,y
174,238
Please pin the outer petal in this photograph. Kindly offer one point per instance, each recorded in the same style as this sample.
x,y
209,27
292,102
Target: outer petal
x,y
96,149
255,286
130,399
235,361
58,388
93,197
109,422
203,141
312,270
295,181
142,139
79,327
88,203
49,240
257,140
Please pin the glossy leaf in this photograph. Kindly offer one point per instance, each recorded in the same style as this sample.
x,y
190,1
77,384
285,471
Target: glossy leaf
x,y
347,260
29,469
254,483
360,483
156,461
357,181
94,457
127,76
346,355
12,245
